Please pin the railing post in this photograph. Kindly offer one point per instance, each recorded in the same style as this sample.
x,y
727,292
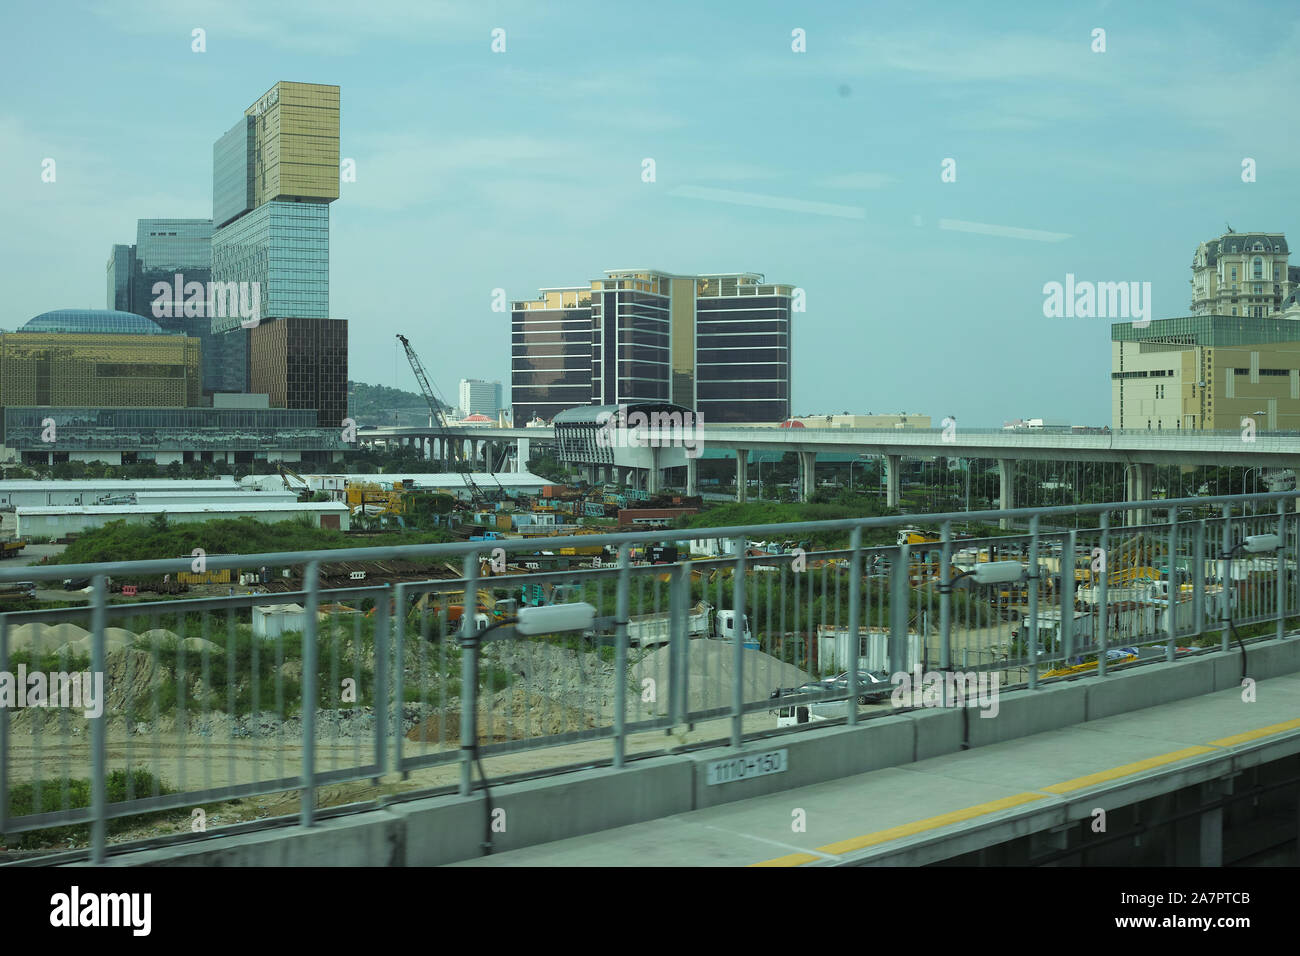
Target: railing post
x,y
1031,639
1065,595
945,602
1198,579
738,631
855,617
468,675
620,653
307,816
1281,569
381,636
1103,614
679,598
898,608
399,663
1225,580
1174,591
99,729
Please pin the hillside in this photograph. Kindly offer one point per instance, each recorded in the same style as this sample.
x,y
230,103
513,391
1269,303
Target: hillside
x,y
381,405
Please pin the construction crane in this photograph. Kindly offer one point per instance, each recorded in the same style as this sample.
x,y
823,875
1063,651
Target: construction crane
x,y
304,493
435,414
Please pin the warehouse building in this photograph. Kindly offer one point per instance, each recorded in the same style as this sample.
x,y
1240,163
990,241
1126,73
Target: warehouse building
x,y
58,521
16,493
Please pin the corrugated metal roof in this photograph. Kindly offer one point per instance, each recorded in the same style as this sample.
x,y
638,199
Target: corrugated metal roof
x,y
222,508
226,483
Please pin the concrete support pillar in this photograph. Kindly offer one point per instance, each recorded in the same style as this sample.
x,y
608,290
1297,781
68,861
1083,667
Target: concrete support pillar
x,y
1005,487
807,475
521,454
653,476
742,473
475,446
592,476
1212,837
692,476
1138,478
893,480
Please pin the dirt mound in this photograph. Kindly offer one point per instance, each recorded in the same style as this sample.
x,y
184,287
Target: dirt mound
x,y
131,676
43,638
710,668
514,714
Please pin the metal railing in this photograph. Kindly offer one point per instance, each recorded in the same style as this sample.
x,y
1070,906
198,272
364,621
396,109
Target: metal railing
x,y
323,680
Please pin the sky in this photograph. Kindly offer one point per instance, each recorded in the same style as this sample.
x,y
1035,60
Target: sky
x,y
822,167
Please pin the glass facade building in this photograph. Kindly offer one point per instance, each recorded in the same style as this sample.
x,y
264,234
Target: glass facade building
x,y
302,363
142,430
550,354
716,344
233,158
742,342
68,368
121,276
284,248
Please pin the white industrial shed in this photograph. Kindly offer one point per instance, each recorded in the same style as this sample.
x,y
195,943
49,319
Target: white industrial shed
x,y
514,482
56,521
20,492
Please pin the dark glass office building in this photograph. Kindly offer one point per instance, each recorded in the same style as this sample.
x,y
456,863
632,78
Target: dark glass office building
x,y
302,363
742,352
550,354
717,344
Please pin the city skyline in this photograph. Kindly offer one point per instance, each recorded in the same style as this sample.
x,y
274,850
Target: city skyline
x,y
479,171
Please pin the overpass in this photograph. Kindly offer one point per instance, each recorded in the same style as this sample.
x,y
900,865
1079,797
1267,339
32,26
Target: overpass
x,y
1138,450
1167,716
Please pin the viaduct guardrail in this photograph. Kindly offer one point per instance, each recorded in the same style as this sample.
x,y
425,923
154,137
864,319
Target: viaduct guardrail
x,y
312,685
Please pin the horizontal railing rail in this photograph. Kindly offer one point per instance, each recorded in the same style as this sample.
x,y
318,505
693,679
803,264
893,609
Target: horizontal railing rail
x,y
219,697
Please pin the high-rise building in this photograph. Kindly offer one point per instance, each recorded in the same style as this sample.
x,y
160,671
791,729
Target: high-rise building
x,y
478,397
1206,372
717,344
164,277
550,354
274,174
302,363
121,276
1241,273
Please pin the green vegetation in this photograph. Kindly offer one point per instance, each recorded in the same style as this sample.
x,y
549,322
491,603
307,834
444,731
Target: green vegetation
x,y
74,794
381,405
119,541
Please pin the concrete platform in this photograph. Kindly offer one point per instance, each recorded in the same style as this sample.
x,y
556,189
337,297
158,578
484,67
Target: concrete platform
x,y
939,807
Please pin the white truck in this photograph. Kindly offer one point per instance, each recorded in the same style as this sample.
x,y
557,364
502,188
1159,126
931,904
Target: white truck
x,y
648,630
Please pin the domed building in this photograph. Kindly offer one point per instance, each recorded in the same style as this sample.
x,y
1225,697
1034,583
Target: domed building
x,y
93,322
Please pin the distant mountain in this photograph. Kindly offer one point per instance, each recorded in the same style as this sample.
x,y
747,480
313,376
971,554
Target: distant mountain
x,y
381,405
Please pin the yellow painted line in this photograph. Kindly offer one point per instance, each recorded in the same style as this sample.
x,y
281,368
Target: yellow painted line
x,y
930,823
1128,769
993,806
794,859
1256,734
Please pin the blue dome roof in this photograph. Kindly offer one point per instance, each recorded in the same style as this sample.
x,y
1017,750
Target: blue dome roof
x,y
93,320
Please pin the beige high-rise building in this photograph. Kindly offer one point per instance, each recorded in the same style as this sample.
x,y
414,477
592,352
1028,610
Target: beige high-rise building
x,y
1241,273
1206,372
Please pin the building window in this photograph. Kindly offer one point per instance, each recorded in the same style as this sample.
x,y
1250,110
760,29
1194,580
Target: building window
x,y
1258,267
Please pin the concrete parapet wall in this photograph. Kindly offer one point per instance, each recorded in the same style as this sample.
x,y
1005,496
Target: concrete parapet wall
x,y
439,830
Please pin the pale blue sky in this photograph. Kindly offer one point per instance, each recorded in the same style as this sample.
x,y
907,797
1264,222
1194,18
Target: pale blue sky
x,y
522,169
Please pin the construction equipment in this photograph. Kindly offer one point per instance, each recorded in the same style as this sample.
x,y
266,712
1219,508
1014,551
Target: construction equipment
x,y
435,415
304,492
